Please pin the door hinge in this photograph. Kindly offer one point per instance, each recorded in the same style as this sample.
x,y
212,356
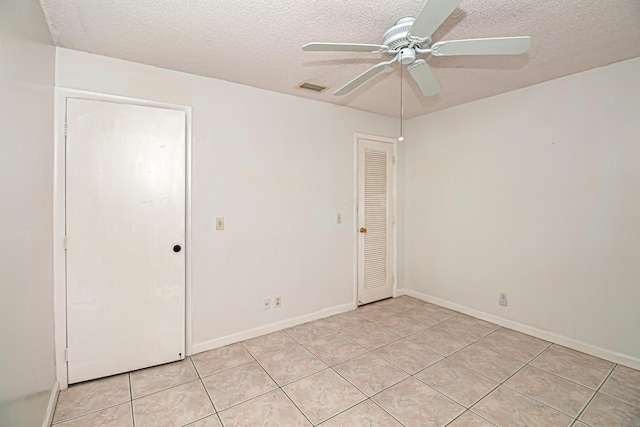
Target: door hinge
x,y
393,279
66,354
65,128
394,157
65,243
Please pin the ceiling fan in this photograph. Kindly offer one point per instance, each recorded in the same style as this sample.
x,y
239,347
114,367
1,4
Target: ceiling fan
x,y
410,37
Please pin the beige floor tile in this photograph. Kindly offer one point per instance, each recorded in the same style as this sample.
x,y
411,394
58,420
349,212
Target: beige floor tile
x,y
157,378
335,349
440,308
416,404
469,419
623,386
507,408
428,315
571,367
579,424
219,359
91,396
271,409
439,341
366,413
308,332
323,395
291,365
269,344
235,385
466,327
116,416
373,312
210,421
401,324
561,394
584,356
370,373
173,407
408,356
605,411
344,321
628,371
487,362
460,383
372,336
399,304
514,344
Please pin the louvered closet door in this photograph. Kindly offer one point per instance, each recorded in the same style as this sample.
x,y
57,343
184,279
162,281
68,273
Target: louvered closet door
x,y
375,230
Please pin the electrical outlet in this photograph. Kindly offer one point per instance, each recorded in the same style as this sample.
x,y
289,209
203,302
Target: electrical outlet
x,y
266,304
503,299
339,218
220,223
277,301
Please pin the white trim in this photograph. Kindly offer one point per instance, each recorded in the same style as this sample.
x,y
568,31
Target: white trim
x,y
273,327
394,255
623,359
51,407
59,269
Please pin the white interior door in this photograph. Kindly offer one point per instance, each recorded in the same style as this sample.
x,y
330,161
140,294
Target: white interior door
x,y
125,227
375,227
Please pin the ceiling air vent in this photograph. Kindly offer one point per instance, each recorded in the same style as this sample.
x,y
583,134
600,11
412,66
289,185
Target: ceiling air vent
x,y
313,87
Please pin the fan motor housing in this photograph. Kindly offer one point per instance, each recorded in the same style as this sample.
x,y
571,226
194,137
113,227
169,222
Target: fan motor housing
x,y
397,38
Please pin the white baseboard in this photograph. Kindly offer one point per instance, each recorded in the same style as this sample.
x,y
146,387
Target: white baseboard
x,y
400,292
622,359
272,327
51,407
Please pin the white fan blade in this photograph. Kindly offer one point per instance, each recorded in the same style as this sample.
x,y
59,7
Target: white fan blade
x,y
343,47
422,74
361,79
432,15
497,46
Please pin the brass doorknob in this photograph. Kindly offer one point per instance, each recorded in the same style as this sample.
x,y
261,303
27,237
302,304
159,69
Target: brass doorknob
x,y
363,230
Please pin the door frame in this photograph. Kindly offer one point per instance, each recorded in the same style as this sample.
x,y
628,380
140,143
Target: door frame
x,y
59,206
394,200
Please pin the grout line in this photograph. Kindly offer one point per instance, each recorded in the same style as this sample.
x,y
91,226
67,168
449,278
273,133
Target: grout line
x,y
385,411
133,416
596,393
89,413
471,412
294,404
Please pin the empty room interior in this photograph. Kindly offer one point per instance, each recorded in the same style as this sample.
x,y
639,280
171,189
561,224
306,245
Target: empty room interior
x,y
301,213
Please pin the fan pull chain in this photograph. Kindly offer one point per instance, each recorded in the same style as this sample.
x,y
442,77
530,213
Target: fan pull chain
x,y
401,138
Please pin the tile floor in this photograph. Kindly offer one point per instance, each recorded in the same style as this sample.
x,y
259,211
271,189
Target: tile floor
x,y
396,362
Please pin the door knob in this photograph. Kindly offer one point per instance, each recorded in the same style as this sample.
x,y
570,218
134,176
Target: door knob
x,y
177,248
363,230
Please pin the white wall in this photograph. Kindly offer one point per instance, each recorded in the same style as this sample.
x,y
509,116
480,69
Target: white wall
x,y
535,193
26,161
277,168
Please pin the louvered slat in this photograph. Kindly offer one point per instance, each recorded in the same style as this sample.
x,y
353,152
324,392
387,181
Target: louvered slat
x,y
375,218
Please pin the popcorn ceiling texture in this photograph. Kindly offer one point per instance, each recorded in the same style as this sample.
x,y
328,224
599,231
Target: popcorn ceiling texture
x,y
258,42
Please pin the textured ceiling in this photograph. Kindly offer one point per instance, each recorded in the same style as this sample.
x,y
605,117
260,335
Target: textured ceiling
x,y
258,42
